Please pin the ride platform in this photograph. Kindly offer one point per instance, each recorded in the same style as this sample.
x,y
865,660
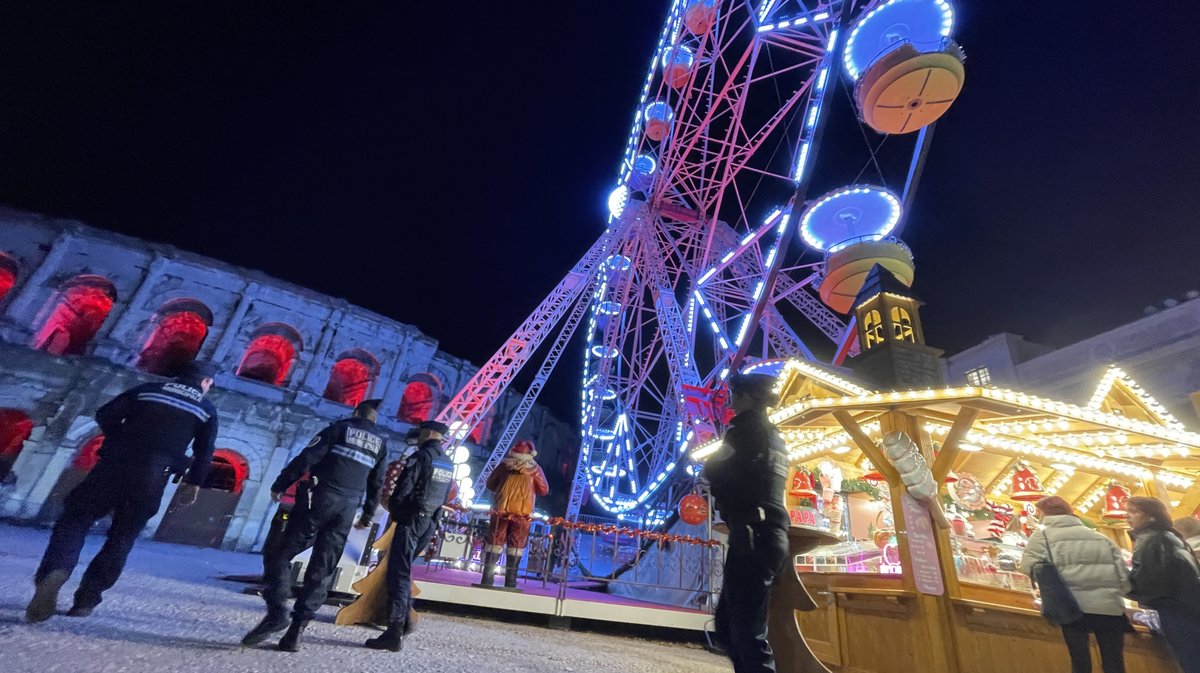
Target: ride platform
x,y
453,586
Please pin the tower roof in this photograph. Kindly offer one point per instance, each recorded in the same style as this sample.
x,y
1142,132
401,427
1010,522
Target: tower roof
x,y
880,280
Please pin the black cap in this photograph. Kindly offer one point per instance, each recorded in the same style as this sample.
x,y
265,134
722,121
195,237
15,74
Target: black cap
x,y
761,387
197,371
412,433
367,405
436,426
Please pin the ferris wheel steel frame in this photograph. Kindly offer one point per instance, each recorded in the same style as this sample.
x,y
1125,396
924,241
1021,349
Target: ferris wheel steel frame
x,y
675,290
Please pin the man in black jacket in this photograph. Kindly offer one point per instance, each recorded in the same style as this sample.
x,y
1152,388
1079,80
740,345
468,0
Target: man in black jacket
x,y
416,505
147,430
345,461
747,477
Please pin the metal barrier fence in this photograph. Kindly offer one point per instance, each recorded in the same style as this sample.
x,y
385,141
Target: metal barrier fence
x,y
599,555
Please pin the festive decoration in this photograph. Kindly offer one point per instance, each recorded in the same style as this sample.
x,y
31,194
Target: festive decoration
x,y
914,471
802,484
1026,487
862,486
968,492
603,529
959,525
873,477
514,484
1002,515
1114,502
693,509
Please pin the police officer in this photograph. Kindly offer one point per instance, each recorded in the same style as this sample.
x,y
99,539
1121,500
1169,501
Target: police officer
x,y
415,506
345,461
747,477
147,430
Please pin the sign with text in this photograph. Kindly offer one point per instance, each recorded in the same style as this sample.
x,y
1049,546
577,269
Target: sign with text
x,y
922,547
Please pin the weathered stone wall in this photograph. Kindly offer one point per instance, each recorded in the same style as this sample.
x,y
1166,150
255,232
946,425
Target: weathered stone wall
x,y
264,423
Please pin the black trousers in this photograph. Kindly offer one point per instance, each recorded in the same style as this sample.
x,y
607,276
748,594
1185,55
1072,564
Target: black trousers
x,y
756,555
132,498
1181,628
324,527
411,536
1110,638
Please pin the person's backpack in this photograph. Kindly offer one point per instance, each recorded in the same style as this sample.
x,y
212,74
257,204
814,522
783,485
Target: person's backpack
x,y
1058,603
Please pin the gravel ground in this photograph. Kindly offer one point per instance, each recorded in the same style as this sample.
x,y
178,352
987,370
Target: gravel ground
x,y
169,613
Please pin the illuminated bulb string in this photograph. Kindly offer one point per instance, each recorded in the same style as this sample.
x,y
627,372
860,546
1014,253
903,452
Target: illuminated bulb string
x,y
668,30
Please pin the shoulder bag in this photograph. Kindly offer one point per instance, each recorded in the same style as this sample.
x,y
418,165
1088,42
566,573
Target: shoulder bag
x,y
1058,603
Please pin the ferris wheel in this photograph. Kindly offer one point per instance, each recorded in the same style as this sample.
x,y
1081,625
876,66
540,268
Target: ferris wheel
x,y
694,275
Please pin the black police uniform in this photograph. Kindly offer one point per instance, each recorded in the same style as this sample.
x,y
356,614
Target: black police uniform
x,y
747,479
344,460
415,506
147,430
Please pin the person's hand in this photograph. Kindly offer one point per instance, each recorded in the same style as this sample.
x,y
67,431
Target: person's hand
x,y
275,496
188,493
362,523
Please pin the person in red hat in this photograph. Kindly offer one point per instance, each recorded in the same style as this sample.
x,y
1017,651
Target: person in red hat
x,y
514,484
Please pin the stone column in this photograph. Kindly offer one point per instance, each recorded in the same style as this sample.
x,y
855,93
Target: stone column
x,y
387,375
114,338
318,357
229,335
24,302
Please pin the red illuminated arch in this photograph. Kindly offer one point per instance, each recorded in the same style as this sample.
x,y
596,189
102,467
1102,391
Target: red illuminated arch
x,y
351,377
270,354
182,327
229,471
8,274
417,404
88,455
83,304
15,428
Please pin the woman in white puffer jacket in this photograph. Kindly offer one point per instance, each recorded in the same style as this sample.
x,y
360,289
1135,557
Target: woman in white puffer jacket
x,y
1092,568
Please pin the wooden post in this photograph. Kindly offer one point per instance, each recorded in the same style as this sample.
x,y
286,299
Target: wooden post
x,y
1190,501
960,428
864,444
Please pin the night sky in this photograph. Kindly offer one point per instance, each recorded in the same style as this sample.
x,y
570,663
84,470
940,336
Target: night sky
x,y
446,167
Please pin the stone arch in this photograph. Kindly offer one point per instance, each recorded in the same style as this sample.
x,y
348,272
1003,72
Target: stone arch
x,y
9,270
229,472
420,398
15,428
206,522
88,454
82,305
180,330
271,353
351,377
83,443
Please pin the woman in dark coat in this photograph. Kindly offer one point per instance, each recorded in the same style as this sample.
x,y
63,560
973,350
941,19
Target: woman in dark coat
x,y
1166,578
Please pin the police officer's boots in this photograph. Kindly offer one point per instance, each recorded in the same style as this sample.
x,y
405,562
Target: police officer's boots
x,y
489,568
274,622
290,642
510,571
391,640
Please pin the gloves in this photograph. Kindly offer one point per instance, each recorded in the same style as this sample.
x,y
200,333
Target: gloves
x,y
363,522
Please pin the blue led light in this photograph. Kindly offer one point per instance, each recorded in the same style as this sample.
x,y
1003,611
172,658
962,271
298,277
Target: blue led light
x,y
617,200
925,24
849,214
608,308
793,22
645,169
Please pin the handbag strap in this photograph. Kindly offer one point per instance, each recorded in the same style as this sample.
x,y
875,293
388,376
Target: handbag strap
x,y
1049,550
